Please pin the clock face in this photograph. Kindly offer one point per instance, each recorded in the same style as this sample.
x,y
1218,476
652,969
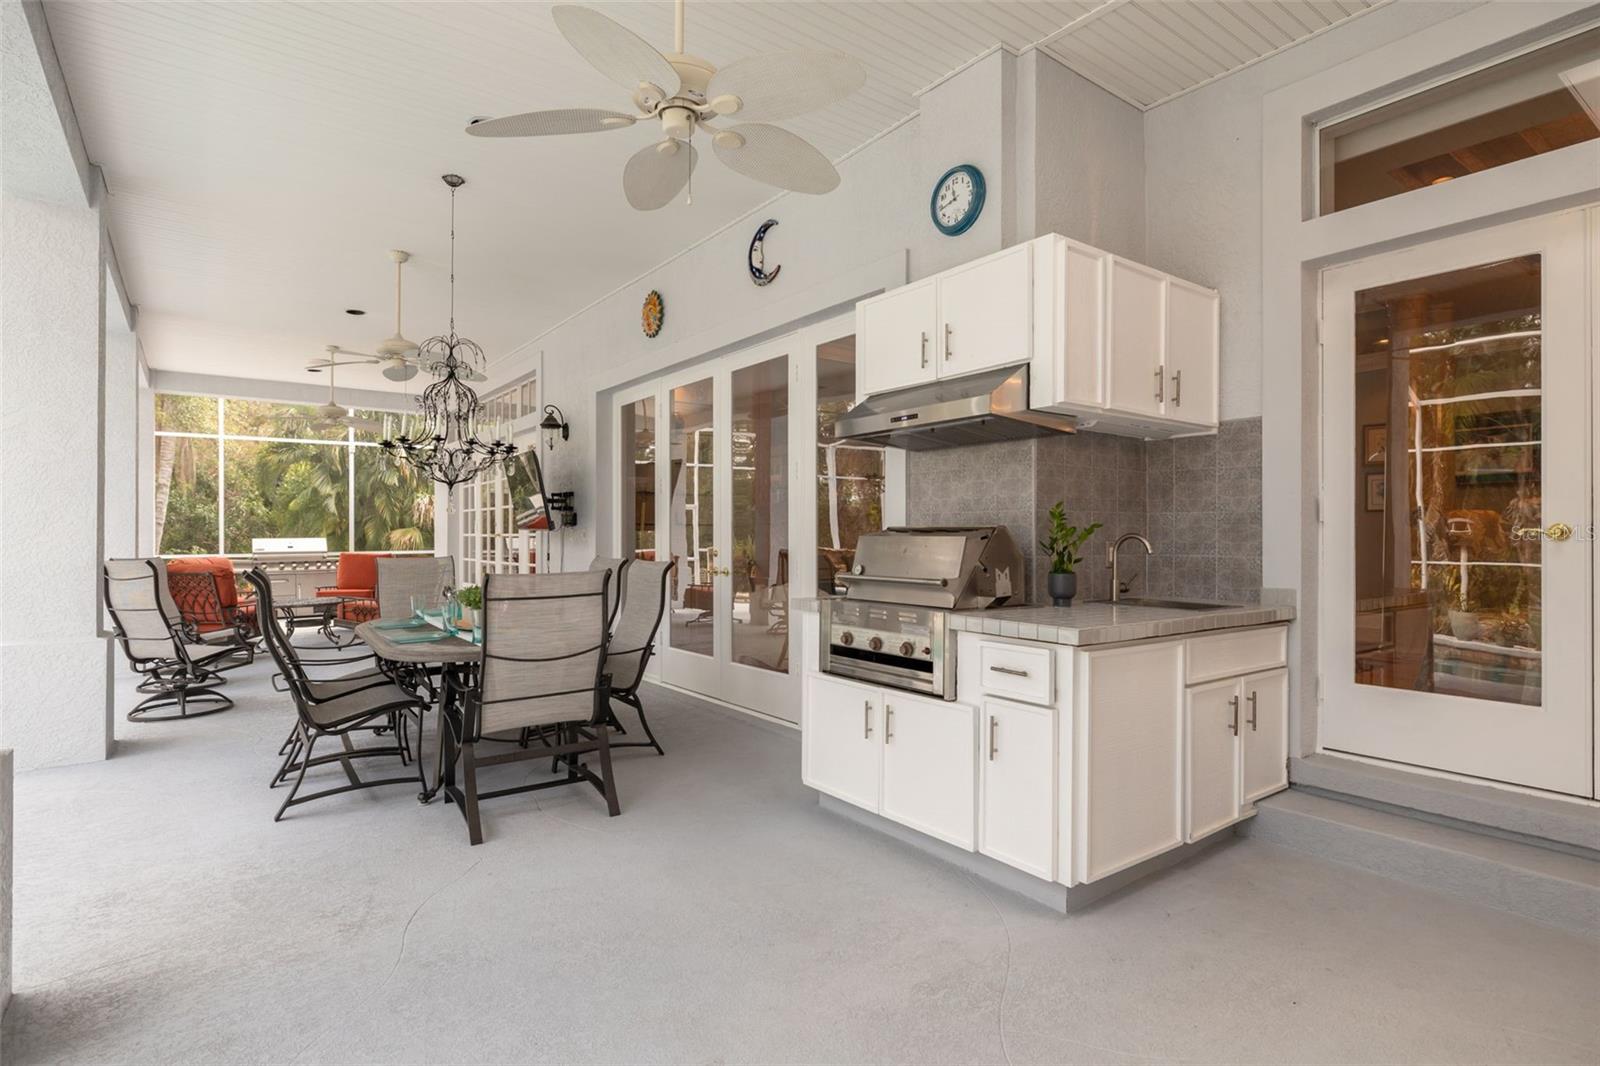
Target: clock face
x,y
957,199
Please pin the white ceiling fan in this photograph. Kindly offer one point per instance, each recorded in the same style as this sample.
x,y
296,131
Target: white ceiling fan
x,y
336,413
684,93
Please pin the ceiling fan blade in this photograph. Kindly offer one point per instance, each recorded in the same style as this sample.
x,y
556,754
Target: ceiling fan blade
x,y
552,123
656,172
617,52
400,370
785,84
775,156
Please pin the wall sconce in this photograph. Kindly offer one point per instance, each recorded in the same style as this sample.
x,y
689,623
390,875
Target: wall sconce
x,y
554,422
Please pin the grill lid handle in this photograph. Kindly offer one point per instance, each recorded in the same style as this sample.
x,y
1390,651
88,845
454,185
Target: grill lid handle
x,y
938,582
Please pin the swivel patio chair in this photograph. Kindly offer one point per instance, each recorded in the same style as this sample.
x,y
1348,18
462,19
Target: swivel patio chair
x,y
338,707
149,629
210,622
544,644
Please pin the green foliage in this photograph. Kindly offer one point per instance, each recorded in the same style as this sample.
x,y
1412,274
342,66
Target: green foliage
x,y
1064,541
470,597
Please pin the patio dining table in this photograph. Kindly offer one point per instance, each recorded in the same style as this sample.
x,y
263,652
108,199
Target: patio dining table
x,y
455,657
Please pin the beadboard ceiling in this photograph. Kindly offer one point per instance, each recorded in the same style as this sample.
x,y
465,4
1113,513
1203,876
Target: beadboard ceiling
x,y
263,157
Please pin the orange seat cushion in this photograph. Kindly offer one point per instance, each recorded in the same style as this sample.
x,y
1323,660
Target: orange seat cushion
x,y
357,573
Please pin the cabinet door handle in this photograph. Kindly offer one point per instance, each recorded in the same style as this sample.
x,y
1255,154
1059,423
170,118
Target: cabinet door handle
x,y
1233,721
1012,670
1252,711
994,747
1177,389
888,723
1161,383
866,719
924,349
949,353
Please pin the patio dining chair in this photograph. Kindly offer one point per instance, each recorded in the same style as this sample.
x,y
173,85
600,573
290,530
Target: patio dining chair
x,y
148,627
618,568
544,645
399,579
633,642
365,701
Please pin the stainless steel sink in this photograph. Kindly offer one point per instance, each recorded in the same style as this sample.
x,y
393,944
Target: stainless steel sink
x,y
1177,605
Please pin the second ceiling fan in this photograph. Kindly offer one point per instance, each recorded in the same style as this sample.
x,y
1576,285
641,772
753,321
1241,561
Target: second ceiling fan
x,y
685,93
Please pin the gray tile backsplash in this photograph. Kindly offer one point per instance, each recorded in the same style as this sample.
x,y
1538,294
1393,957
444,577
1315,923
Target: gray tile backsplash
x,y
1198,500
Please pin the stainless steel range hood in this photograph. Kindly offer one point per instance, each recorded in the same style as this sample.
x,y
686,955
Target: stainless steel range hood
x,y
976,409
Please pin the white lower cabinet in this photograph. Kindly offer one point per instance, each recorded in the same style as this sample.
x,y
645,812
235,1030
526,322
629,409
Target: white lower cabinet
x,y
1075,763
905,757
1017,791
1211,729
840,752
928,772
1236,741
1264,734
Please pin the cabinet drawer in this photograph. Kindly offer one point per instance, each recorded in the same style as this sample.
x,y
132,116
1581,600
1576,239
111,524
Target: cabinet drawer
x,y
1240,652
1017,671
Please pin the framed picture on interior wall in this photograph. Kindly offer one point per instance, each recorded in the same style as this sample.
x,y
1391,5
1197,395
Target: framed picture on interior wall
x,y
1374,444
1377,491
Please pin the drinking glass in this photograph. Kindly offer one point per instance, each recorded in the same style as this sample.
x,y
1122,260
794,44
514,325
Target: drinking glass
x,y
417,604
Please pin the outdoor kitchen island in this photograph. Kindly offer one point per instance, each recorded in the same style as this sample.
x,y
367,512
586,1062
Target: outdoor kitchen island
x,y
1081,747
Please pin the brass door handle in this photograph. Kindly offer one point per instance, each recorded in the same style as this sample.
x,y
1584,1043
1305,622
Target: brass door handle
x,y
1558,531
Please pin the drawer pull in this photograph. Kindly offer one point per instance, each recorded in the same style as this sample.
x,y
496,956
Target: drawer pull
x,y
866,720
994,748
1233,722
1011,670
1252,711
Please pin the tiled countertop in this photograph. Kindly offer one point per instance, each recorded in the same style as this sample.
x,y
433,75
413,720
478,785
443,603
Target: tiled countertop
x,y
1104,623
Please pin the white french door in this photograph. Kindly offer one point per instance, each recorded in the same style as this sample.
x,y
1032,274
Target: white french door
x,y
725,439
1458,578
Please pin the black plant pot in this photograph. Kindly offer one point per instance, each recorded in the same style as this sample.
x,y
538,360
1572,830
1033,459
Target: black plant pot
x,y
1062,588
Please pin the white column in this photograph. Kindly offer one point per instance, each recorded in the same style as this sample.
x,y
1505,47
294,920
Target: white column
x,y
55,661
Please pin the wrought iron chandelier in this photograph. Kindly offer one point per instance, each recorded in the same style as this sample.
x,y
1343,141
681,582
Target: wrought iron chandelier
x,y
446,446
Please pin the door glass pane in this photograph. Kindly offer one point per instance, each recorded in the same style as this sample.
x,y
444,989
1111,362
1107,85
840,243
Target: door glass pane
x,y
638,478
761,515
1447,507
850,475
1540,102
693,516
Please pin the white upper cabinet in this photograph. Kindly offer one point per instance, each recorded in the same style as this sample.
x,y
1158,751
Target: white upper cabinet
x,y
986,313
1135,338
1124,347
899,332
1191,359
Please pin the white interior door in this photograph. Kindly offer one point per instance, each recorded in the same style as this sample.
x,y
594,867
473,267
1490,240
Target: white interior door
x,y
1457,499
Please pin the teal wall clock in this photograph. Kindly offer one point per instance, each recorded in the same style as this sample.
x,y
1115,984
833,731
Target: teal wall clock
x,y
957,199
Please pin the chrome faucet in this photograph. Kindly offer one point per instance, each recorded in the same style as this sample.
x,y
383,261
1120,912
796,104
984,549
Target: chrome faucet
x,y
1111,561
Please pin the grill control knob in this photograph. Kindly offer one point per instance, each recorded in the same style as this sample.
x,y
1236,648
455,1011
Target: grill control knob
x,y
847,638
907,648
876,643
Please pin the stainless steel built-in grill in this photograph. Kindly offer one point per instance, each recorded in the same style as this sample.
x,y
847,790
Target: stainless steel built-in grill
x,y
297,566
889,628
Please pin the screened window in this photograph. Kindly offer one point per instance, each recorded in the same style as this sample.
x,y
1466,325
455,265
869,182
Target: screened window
x,y
1542,101
228,471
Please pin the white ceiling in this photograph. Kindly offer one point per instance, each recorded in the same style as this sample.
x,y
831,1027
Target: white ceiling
x,y
263,157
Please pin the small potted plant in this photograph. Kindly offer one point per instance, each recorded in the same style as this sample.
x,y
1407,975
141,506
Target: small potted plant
x,y
470,597
1062,547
